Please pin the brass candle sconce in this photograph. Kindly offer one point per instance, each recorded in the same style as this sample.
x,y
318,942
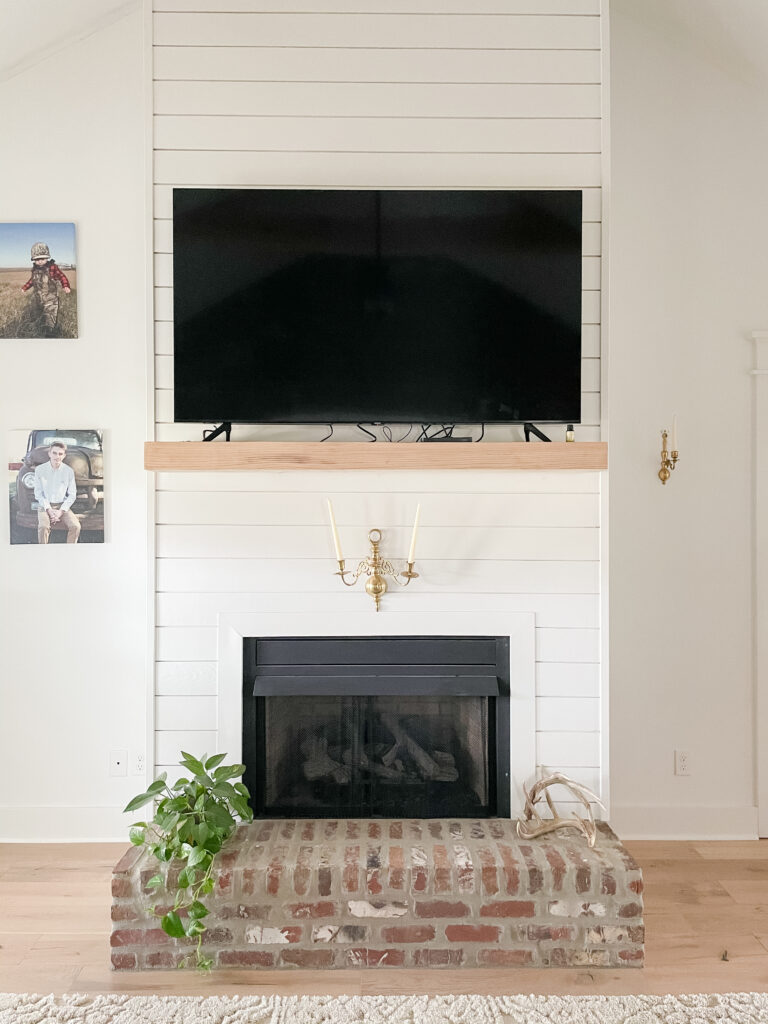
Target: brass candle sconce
x,y
668,457
375,569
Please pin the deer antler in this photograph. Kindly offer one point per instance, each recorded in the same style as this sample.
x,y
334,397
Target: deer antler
x,y
533,825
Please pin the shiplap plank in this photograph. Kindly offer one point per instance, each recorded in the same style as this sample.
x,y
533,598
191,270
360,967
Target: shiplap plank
x,y
588,776
433,7
383,31
560,679
590,341
379,134
203,609
295,575
163,210
299,542
369,64
173,679
185,712
331,482
356,510
198,643
163,329
574,748
590,310
377,99
168,745
166,430
568,645
566,714
406,170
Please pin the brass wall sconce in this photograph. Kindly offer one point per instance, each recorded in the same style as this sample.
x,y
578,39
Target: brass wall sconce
x,y
374,568
668,458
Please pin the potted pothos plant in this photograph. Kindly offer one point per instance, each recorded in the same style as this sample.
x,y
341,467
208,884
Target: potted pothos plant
x,y
193,819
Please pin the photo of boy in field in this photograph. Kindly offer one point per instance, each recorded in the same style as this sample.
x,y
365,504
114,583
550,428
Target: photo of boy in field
x,y
38,281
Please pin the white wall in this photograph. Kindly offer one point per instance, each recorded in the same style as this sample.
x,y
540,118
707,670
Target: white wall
x,y
73,634
452,96
688,271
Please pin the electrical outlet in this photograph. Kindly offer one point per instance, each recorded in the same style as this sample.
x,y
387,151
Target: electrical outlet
x,y
139,764
682,762
118,762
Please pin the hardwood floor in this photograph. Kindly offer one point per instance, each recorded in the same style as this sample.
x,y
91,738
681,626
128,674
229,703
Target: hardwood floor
x,y
706,914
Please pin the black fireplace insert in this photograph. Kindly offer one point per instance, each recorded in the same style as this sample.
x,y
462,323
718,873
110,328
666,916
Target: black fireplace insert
x,y
366,727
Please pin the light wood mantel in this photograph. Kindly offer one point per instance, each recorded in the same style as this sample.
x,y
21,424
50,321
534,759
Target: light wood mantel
x,y
215,455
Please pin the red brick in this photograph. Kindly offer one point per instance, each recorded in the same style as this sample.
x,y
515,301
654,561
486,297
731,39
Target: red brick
x,y
164,959
396,830
374,830
636,933
228,859
124,912
636,885
472,933
535,874
136,936
505,957
508,908
630,910
438,957
247,911
248,884
218,936
301,871
308,831
557,866
409,933
488,873
128,861
375,957
442,869
324,881
274,871
307,957
511,869
351,875
124,961
442,908
630,954
608,884
556,957
122,887
323,909
240,958
419,877
396,867
541,933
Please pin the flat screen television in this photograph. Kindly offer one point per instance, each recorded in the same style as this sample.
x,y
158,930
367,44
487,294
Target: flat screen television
x,y
363,306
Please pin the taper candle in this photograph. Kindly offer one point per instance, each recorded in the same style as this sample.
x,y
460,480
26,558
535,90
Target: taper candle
x,y
413,535
673,446
335,532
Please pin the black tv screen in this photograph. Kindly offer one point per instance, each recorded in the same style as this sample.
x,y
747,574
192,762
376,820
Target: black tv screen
x,y
369,306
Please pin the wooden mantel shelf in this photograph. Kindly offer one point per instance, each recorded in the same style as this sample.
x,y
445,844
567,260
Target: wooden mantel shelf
x,y
222,455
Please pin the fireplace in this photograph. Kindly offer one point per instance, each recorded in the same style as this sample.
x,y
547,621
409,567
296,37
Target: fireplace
x,y
366,727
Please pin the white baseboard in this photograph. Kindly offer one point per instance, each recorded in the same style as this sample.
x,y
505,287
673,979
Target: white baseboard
x,y
65,824
649,822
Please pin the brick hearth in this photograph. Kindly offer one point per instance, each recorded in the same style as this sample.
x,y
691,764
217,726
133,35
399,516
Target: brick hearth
x,y
388,893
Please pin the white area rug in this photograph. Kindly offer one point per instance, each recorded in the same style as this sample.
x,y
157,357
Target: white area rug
x,y
731,1008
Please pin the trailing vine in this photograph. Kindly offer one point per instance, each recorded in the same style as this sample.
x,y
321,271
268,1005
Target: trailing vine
x,y
193,820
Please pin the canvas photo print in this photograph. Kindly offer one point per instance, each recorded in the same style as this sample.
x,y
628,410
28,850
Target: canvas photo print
x,y
56,486
38,281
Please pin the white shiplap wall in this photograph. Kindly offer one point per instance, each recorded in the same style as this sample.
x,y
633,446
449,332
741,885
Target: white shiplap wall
x,y
434,94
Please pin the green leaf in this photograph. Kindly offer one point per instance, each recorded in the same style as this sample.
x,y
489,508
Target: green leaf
x,y
242,808
183,881
155,882
192,764
138,801
207,886
172,925
242,789
204,963
212,762
213,843
137,836
231,771
157,786
219,816
197,910
198,855
201,833
224,790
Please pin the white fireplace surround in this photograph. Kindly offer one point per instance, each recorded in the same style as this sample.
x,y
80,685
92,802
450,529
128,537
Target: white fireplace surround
x,y
518,626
